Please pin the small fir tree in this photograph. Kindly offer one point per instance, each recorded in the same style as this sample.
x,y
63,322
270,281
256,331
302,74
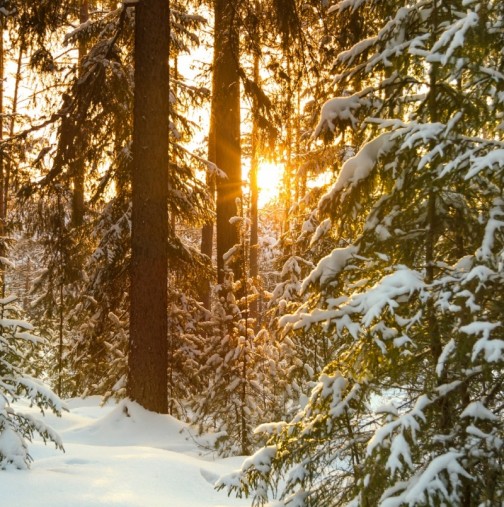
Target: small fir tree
x,y
17,349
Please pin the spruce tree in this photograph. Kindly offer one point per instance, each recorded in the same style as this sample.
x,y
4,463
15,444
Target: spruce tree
x,y
408,410
18,349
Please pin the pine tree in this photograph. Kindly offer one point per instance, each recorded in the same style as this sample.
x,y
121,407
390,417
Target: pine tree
x,y
18,347
408,410
239,365
82,292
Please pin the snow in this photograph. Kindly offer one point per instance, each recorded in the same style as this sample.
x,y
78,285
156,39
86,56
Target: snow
x,y
322,230
447,350
387,408
399,449
494,223
329,266
117,455
487,161
477,410
453,37
15,323
403,282
261,460
341,108
429,480
360,166
345,4
363,45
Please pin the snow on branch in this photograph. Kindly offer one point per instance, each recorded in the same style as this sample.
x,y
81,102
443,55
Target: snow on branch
x,y
453,37
370,304
494,224
492,160
341,109
358,167
476,410
492,348
346,4
428,484
329,266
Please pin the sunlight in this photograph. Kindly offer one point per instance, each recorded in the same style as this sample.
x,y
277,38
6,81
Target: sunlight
x,y
269,180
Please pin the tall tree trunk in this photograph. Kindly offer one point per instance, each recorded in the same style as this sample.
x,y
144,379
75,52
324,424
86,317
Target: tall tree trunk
x,y
226,123
288,173
3,205
432,234
147,379
207,232
254,192
12,125
2,112
79,165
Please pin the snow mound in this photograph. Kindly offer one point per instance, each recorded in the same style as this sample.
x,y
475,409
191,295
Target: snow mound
x,y
129,424
118,456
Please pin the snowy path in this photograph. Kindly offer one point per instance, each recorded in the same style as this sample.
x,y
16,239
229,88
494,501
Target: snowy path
x,y
116,459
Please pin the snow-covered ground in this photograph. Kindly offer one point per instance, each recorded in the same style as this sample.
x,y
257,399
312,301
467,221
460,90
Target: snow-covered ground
x,y
117,455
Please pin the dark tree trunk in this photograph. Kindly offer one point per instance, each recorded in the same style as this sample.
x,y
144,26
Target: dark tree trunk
x,y
80,165
3,185
2,168
226,123
254,194
207,232
147,381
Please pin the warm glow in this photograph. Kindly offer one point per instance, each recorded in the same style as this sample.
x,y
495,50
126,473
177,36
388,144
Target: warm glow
x,y
269,180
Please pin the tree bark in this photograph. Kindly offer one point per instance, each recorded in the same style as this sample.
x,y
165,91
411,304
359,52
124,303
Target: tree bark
x,y
3,186
79,165
207,231
226,121
254,193
147,379
2,168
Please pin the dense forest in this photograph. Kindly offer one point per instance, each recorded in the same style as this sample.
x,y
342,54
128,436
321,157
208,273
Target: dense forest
x,y
344,328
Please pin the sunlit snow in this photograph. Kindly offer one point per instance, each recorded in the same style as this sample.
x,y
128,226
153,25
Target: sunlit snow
x,y
121,456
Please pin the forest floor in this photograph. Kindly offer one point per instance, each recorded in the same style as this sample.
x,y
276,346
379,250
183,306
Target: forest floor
x,y
117,456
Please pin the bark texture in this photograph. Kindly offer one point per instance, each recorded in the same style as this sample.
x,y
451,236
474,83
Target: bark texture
x,y
147,382
226,128
79,169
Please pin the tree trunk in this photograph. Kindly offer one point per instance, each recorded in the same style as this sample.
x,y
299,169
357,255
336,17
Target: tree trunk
x,y
226,122
2,168
12,126
207,232
254,193
147,379
3,187
79,165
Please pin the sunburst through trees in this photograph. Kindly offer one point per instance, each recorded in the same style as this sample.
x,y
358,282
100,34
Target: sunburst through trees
x,y
279,215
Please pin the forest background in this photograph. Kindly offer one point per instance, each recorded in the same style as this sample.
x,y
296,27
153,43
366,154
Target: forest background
x,y
369,328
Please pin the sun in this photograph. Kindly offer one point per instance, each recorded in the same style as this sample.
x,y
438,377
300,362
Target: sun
x,y
269,180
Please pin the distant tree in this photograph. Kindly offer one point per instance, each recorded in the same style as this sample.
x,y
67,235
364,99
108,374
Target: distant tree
x,y
240,369
225,127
